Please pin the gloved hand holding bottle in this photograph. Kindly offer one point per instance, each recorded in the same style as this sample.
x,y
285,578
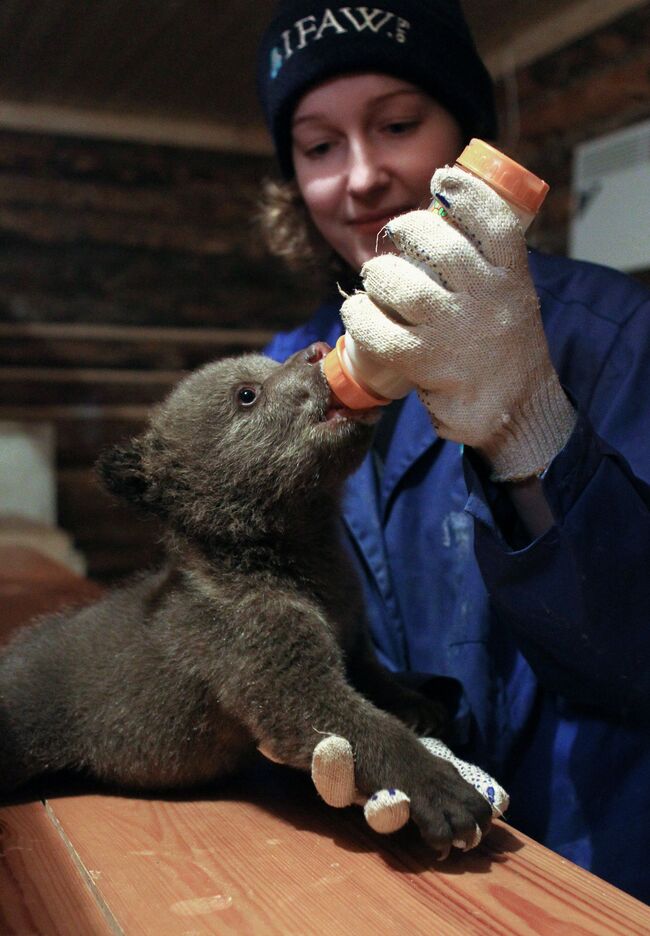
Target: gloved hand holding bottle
x,y
455,313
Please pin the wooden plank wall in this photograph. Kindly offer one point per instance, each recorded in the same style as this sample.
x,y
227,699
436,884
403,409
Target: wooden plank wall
x,y
594,86
124,265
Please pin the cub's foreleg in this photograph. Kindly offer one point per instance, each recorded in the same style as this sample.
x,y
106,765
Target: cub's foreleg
x,y
285,679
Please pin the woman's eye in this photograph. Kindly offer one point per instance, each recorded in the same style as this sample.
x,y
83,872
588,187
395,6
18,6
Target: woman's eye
x,y
320,149
400,126
246,396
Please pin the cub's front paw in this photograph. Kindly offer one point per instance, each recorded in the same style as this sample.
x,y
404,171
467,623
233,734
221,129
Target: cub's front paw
x,y
387,810
447,810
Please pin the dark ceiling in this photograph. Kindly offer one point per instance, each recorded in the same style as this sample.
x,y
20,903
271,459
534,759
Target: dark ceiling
x,y
190,60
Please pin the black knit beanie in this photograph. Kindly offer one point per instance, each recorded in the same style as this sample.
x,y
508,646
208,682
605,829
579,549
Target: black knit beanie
x,y
425,42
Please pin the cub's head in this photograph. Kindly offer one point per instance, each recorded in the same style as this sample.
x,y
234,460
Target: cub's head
x,y
239,442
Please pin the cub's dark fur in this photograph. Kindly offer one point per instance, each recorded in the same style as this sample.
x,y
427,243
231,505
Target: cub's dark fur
x,y
251,633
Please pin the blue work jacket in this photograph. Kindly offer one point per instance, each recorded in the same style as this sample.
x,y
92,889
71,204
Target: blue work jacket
x,y
550,639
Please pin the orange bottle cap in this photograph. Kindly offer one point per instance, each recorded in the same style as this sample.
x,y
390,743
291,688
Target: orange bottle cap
x,y
512,181
343,385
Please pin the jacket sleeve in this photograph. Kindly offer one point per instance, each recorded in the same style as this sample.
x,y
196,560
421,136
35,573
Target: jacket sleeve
x,y
578,598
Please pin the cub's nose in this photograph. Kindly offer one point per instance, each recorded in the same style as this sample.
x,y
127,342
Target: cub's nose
x,y
316,352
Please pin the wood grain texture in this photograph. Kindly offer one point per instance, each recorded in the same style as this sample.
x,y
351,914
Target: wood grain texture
x,y
264,856
41,889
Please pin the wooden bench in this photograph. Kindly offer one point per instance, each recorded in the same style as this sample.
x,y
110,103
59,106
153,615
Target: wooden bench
x,y
260,854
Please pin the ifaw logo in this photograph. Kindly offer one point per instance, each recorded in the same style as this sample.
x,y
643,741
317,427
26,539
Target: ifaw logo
x,y
337,23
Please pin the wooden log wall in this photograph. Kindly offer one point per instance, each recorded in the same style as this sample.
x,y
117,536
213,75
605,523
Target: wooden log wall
x,y
594,86
122,266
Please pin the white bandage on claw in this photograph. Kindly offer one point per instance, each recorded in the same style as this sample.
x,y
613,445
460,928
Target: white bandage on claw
x,y
479,779
387,811
332,770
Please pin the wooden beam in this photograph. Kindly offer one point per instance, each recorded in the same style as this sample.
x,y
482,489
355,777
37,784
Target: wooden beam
x,y
620,89
139,128
552,32
92,376
75,413
215,337
94,387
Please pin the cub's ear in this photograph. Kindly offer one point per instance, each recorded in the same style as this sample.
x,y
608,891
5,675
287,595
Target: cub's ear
x,y
122,472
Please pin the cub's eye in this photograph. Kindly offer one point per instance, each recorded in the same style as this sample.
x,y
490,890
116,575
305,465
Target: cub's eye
x,y
246,396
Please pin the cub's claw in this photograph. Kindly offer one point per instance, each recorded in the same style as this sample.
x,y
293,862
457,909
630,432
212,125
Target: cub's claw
x,y
388,810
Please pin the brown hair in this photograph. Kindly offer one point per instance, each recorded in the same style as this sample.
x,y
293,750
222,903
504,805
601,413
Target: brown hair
x,y
289,233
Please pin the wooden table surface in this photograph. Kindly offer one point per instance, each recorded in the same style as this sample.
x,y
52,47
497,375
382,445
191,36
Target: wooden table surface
x,y
260,854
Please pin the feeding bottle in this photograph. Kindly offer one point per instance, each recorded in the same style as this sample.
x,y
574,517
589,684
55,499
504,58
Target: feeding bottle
x,y
357,378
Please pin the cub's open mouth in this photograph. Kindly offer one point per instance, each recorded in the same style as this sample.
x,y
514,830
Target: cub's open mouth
x,y
336,412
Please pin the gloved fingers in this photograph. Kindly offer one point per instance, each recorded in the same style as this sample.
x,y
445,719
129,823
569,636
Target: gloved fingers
x,y
445,418
405,289
441,249
395,345
426,355
482,216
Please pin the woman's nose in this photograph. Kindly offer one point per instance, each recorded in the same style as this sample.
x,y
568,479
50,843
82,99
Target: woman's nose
x,y
365,170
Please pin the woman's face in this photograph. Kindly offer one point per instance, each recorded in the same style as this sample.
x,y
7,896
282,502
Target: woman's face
x,y
364,150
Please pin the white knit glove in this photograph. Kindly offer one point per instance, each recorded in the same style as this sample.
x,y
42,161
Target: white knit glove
x,y
457,314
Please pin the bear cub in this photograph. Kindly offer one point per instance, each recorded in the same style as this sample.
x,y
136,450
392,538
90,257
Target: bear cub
x,y
251,634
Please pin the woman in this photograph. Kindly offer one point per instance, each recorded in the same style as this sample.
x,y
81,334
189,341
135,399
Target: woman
x,y
511,558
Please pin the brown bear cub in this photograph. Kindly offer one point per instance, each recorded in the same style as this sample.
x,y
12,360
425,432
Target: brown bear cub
x,y
251,634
